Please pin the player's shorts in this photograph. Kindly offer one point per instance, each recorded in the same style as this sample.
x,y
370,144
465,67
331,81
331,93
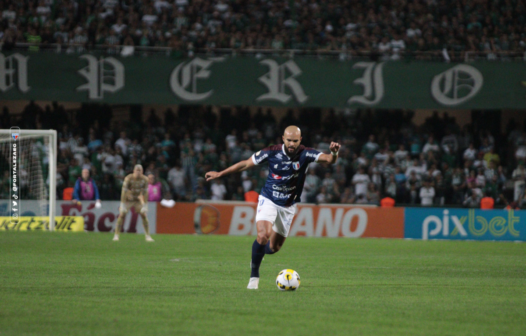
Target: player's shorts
x,y
126,206
280,217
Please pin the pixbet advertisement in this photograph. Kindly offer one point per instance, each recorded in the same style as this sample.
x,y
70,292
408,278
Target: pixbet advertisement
x,y
464,224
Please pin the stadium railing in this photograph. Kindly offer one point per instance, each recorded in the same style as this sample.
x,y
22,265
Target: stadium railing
x,y
343,55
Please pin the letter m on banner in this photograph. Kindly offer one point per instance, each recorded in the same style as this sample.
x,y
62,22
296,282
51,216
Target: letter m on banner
x,y
276,81
11,75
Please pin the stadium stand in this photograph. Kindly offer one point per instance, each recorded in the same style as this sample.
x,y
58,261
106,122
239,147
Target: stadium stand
x,y
390,29
384,153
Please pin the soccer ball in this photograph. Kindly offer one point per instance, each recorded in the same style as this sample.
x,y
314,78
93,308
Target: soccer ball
x,y
288,280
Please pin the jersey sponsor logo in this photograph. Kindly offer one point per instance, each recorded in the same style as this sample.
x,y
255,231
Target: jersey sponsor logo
x,y
277,177
290,176
285,168
276,187
286,162
278,195
311,155
296,165
261,158
279,156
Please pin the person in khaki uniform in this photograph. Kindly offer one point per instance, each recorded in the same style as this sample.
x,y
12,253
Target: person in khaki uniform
x,y
134,194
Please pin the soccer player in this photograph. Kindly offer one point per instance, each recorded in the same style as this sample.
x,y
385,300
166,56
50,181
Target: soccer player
x,y
276,208
134,194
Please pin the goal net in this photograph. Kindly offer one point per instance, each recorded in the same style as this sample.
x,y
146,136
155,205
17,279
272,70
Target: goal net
x,y
33,192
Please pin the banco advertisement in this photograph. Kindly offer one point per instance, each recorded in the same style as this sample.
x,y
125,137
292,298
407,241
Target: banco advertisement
x,y
464,224
237,218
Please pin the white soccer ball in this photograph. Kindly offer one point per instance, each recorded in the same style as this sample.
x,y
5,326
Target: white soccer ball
x,y
288,280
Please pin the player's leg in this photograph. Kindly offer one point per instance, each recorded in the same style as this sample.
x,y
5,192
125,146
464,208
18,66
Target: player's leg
x,y
264,229
280,229
266,214
146,227
275,243
123,210
143,211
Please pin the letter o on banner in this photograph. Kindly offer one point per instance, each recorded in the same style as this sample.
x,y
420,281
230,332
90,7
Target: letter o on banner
x,y
347,220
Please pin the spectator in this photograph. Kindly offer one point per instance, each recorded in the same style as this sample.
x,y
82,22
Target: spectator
x,y
154,189
347,196
391,186
427,193
311,186
431,145
176,178
330,186
239,195
74,171
360,182
218,190
458,184
123,142
470,153
449,143
370,148
480,180
401,154
372,195
94,143
85,188
472,199
491,156
519,176
323,196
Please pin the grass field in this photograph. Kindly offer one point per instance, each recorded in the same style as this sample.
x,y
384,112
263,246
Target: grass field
x,y
85,284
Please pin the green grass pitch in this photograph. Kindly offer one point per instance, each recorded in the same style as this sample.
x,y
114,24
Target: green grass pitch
x,y
86,284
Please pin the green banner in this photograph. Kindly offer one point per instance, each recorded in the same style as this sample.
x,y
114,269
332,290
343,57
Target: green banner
x,y
264,82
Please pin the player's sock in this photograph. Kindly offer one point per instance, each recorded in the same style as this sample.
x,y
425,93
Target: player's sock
x,y
258,252
267,249
118,227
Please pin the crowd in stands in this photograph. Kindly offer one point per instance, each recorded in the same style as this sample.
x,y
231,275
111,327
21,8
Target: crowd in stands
x,y
383,154
388,29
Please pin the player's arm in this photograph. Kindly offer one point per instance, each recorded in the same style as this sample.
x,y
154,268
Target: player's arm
x,y
125,190
330,158
238,167
143,196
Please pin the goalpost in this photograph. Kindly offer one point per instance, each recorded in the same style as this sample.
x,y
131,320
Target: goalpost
x,y
37,171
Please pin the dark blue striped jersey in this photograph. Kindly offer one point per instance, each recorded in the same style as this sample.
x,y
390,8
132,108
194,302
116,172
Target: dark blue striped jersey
x,y
286,174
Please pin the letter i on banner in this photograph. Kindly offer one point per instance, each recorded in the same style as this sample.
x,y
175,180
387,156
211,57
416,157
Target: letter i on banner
x,y
15,199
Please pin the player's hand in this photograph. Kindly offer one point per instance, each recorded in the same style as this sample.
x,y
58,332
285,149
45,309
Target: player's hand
x,y
334,147
141,198
212,175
